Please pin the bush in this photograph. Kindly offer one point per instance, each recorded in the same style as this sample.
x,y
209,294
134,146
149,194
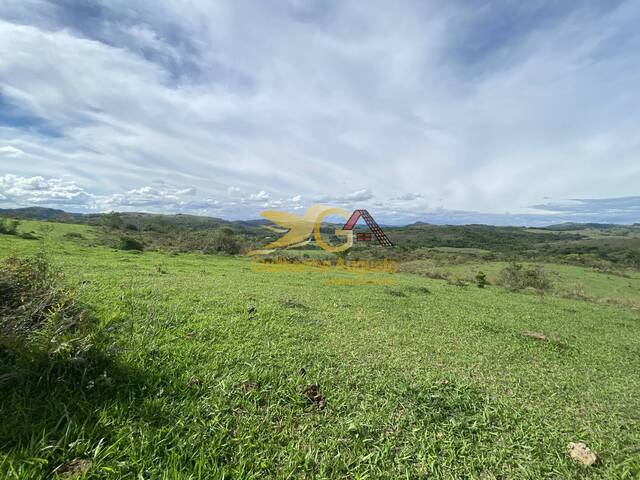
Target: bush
x,y
40,318
457,282
73,235
481,280
129,243
28,236
518,277
112,220
223,241
9,226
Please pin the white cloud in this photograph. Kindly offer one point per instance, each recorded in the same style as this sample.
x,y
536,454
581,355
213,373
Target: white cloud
x,y
9,151
348,198
360,195
234,191
23,191
261,195
408,197
38,190
472,114
150,196
17,191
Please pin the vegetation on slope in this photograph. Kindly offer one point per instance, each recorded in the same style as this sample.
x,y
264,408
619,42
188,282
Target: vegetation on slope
x,y
215,370
605,247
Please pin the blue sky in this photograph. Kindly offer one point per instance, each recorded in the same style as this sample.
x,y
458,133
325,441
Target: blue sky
x,y
464,111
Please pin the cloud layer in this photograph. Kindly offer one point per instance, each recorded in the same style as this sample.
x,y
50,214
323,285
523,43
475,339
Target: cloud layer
x,y
417,109
239,204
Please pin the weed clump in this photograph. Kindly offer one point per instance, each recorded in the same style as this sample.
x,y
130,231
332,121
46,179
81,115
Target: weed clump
x,y
74,236
481,280
9,226
395,292
517,277
129,243
40,317
457,282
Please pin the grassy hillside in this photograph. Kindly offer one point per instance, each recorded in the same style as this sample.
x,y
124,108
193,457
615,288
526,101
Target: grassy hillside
x,y
607,247
209,369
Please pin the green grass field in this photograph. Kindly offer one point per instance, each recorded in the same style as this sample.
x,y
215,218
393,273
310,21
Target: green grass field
x,y
568,281
209,364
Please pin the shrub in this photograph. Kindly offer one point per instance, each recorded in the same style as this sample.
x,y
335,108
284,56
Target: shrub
x,y
9,226
28,236
518,277
112,220
457,282
40,318
129,243
481,280
73,235
223,241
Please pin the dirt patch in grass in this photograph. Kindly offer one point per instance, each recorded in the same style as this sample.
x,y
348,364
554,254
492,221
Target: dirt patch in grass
x,y
536,335
312,392
545,339
74,468
247,386
291,303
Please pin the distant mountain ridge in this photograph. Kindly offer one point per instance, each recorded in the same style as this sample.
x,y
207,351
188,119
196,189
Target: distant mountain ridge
x,y
179,219
203,222
584,226
39,213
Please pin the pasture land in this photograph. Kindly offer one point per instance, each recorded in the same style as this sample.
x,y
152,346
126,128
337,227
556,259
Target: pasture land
x,y
208,369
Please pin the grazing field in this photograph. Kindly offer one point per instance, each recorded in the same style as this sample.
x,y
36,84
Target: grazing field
x,y
205,368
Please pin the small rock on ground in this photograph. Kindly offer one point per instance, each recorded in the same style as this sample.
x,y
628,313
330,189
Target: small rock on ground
x,y
74,468
581,453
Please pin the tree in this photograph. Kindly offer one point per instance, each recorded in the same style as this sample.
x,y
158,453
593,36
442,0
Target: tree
x,y
223,241
112,220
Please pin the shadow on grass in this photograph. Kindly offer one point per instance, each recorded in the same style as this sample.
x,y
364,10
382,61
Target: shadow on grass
x,y
62,411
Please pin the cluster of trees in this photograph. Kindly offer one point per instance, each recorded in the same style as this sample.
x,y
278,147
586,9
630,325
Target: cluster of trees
x,y
159,233
517,277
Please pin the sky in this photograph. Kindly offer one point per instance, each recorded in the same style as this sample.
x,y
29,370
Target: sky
x,y
464,111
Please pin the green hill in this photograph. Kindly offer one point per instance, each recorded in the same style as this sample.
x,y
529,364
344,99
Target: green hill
x,y
201,363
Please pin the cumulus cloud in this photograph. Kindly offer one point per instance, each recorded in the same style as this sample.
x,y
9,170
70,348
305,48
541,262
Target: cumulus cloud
x,y
38,190
23,191
17,191
260,196
153,196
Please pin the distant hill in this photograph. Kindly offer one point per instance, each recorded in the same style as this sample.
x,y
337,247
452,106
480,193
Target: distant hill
x,y
41,213
582,226
591,244
499,239
131,220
